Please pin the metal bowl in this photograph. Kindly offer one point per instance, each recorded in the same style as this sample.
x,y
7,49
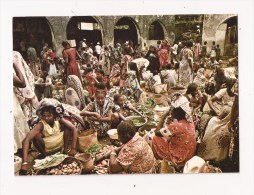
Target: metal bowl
x,y
142,121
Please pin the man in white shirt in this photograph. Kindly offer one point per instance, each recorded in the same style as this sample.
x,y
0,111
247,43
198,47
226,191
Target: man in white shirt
x,y
98,49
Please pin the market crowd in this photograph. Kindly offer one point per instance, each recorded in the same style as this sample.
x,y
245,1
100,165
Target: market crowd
x,y
99,87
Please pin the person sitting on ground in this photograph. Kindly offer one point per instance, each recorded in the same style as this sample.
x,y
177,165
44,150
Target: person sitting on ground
x,y
121,110
212,62
224,97
219,78
175,142
115,74
155,80
51,134
216,140
168,76
196,98
99,113
135,156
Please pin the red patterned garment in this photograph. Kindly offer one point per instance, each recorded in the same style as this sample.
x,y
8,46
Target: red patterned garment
x,y
136,156
164,57
72,68
178,144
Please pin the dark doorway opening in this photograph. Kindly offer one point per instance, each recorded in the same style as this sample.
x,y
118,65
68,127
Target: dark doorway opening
x,y
156,31
125,30
35,30
80,27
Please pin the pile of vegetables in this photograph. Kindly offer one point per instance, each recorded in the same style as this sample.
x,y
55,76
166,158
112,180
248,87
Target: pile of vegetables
x,y
137,122
102,167
147,110
65,169
94,149
49,161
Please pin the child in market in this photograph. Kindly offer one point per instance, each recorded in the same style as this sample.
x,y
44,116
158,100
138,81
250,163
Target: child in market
x,y
50,135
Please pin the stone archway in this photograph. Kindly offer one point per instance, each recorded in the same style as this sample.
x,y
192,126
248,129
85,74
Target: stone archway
x,y
88,27
156,31
227,36
35,30
126,29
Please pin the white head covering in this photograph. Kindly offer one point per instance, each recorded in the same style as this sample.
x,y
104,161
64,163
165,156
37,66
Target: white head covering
x,y
178,100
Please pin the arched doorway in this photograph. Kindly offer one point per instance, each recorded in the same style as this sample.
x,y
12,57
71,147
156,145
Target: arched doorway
x,y
156,31
227,36
125,30
80,27
35,30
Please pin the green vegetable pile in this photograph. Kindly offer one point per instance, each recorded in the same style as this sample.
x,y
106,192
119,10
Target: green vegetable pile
x,y
147,109
94,149
49,161
137,122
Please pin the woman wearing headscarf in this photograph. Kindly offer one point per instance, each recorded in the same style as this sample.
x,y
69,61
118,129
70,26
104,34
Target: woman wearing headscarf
x,y
26,96
52,132
99,113
186,61
74,94
176,141
216,140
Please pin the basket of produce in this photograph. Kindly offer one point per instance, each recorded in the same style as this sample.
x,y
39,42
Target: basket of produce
x,y
69,166
137,121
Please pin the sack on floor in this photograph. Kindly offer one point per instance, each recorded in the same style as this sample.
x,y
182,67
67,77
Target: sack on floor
x,y
86,139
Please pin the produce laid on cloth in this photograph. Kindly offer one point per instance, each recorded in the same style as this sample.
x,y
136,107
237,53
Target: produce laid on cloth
x,y
49,161
70,166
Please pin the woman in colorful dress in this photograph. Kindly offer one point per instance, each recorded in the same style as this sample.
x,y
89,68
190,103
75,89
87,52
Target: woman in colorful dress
x,y
69,55
20,124
164,53
115,74
26,96
135,156
185,68
216,140
99,113
176,141
74,94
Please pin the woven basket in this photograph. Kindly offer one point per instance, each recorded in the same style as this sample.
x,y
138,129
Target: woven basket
x,y
158,99
87,162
